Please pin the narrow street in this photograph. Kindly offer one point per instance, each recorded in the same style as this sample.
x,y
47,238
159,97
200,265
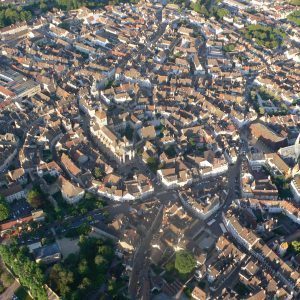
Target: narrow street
x,y
140,256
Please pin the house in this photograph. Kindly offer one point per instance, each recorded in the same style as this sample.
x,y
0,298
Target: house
x,y
47,254
295,188
147,132
17,175
245,236
70,192
277,165
51,168
261,132
13,192
198,294
70,167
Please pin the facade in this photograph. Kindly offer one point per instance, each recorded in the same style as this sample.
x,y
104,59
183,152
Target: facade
x,y
295,188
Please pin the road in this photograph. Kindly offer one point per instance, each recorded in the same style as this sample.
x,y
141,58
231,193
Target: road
x,y
230,279
10,291
233,175
140,255
153,39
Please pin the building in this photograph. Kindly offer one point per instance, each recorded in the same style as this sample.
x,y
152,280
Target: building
x,y
47,254
13,192
198,294
265,135
70,192
295,187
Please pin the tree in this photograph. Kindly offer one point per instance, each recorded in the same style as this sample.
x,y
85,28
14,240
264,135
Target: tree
x,y
101,263
99,260
34,198
43,6
112,288
262,111
25,15
84,229
61,279
229,47
4,209
185,262
153,163
85,283
295,17
106,251
83,267
28,272
98,173
296,246
264,36
221,13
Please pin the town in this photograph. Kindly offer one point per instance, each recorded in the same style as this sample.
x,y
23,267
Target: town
x,y
150,150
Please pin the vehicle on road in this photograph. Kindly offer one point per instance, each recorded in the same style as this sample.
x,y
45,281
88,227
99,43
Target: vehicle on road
x,y
224,230
211,222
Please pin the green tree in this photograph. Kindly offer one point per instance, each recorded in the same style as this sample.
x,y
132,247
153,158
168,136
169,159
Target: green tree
x,y
85,283
4,209
221,13
61,279
100,260
153,163
34,198
229,47
99,173
43,6
83,267
11,16
296,246
25,15
106,251
112,288
28,272
185,262
295,17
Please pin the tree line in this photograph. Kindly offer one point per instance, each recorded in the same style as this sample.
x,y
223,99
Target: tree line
x,y
27,270
12,14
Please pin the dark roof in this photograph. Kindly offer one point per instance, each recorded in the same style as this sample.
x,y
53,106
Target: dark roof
x,y
46,251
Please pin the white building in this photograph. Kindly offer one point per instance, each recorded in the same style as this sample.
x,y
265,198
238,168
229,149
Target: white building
x,y
295,187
